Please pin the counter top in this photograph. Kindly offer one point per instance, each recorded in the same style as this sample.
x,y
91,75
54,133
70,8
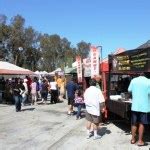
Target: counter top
x,y
120,99
121,107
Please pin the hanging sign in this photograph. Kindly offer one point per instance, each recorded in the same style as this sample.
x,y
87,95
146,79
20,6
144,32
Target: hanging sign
x,y
94,61
87,67
137,60
79,68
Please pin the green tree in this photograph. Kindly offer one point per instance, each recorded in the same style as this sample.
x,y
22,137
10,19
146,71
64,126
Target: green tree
x,y
4,37
17,39
56,51
64,53
47,53
44,52
31,48
3,19
83,49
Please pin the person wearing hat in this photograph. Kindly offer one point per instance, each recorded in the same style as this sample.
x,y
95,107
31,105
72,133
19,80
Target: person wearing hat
x,y
93,97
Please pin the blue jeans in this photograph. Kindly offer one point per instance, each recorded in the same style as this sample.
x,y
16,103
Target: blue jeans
x,y
79,110
18,100
24,99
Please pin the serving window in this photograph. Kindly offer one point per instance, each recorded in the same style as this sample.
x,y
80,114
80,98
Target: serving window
x,y
123,68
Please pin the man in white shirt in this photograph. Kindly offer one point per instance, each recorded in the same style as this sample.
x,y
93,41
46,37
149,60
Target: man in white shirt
x,y
92,98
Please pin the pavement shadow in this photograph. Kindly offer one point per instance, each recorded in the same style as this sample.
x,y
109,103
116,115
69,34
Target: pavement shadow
x,y
126,127
4,105
83,112
147,133
27,104
103,130
123,125
27,109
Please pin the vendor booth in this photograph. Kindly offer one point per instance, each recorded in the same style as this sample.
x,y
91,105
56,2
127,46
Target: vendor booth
x,y
122,68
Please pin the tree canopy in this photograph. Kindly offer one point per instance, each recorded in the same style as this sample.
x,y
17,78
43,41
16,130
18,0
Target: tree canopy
x,y
26,47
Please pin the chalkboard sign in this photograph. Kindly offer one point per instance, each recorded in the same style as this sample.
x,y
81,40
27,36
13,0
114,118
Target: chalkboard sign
x,y
137,60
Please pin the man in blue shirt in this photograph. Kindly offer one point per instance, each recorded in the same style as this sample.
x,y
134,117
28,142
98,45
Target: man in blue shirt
x,y
71,87
140,110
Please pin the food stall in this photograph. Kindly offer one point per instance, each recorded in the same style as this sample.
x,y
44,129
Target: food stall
x,y
122,68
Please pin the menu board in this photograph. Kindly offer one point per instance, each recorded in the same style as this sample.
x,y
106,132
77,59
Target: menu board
x,y
137,60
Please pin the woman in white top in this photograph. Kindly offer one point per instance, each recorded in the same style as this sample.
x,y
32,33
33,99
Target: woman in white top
x,y
54,91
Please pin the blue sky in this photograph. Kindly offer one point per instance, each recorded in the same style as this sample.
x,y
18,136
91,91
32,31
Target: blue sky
x,y
112,24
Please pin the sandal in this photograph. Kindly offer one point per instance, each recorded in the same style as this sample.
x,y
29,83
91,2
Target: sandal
x,y
143,144
133,141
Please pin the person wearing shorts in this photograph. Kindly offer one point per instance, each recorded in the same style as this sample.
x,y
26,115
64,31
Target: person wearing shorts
x,y
70,100
71,87
92,118
92,98
140,110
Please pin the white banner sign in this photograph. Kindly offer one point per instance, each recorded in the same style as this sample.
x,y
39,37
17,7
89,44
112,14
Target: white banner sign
x,y
87,67
79,68
94,61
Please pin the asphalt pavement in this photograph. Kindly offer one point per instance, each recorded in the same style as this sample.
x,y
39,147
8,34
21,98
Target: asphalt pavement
x,y
48,127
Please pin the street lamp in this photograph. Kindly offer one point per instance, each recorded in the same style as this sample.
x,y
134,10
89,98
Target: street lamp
x,y
20,49
100,53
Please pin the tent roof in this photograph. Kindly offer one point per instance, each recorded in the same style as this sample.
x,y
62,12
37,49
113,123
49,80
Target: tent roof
x,y
70,70
104,64
145,45
8,68
57,70
119,50
40,72
37,72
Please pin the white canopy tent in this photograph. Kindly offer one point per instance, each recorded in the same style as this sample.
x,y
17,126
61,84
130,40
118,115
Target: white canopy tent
x,y
70,70
37,72
41,72
53,72
7,68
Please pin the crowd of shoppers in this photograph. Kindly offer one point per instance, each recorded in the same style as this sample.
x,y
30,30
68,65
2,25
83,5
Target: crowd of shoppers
x,y
21,91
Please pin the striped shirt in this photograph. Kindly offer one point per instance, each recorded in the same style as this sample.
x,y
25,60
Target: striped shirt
x,y
79,99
